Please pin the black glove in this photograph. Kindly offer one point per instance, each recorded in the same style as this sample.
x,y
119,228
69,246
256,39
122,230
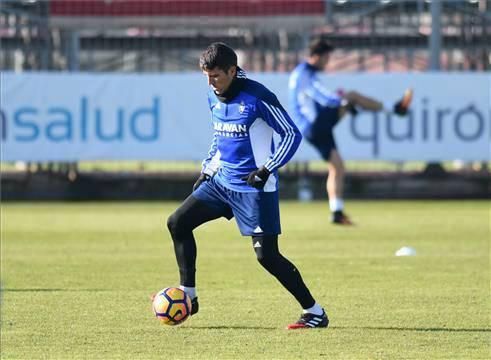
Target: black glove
x,y
202,178
257,178
352,109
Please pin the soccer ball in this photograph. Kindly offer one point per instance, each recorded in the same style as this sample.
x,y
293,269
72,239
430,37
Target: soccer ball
x,y
171,306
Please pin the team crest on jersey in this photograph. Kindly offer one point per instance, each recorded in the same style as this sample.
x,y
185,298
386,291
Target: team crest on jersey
x,y
242,107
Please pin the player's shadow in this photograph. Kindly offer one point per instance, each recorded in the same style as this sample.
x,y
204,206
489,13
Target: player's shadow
x,y
230,327
418,329
53,290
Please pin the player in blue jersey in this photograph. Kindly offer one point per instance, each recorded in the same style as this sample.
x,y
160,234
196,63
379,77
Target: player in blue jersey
x,y
317,111
239,178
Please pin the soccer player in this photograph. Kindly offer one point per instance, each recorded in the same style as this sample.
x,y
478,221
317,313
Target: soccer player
x,y
316,111
239,178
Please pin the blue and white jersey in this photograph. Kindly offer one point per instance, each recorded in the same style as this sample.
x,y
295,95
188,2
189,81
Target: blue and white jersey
x,y
243,137
307,96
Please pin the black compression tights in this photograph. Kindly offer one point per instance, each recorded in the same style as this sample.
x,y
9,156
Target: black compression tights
x,y
281,268
193,213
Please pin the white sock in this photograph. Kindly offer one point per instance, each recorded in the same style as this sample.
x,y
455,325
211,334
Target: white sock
x,y
336,204
191,291
316,310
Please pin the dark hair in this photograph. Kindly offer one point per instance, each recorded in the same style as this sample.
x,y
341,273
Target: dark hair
x,y
320,46
218,55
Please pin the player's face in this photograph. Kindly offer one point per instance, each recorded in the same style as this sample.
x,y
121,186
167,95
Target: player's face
x,y
220,80
323,61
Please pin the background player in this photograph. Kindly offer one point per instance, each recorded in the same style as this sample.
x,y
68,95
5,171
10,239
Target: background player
x,y
316,111
239,178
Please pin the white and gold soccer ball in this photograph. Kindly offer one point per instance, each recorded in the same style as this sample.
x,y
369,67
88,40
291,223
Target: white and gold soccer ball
x,y
172,306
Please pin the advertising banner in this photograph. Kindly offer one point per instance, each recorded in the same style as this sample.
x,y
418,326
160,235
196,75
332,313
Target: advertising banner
x,y
82,116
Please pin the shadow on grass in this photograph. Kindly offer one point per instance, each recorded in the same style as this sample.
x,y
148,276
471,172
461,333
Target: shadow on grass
x,y
54,290
422,329
223,327
230,327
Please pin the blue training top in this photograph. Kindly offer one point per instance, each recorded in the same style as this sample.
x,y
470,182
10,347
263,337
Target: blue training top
x,y
243,138
307,97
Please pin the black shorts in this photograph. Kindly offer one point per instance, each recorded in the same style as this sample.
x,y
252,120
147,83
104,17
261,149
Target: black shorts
x,y
321,135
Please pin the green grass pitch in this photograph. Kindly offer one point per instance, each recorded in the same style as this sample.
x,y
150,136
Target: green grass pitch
x,y
76,280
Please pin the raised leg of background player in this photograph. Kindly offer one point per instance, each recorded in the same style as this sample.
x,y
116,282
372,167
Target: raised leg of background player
x,y
356,99
335,179
365,102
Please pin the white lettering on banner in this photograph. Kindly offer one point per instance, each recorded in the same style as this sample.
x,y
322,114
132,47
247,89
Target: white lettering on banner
x,y
140,117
